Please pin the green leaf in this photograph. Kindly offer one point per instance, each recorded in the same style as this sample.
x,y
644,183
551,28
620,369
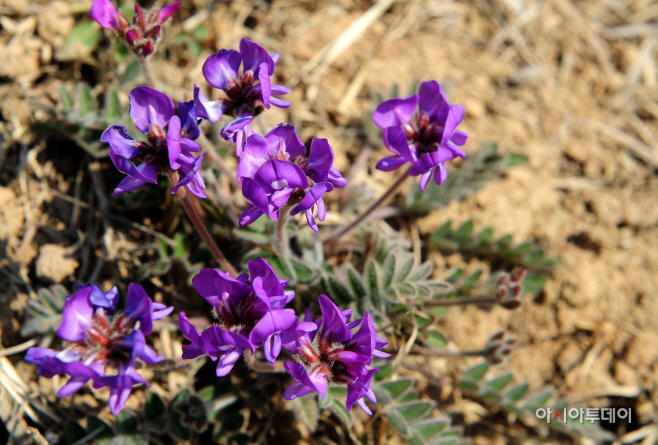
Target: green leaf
x,y
358,291
112,106
465,230
154,407
307,411
397,421
476,373
86,102
396,388
499,383
122,52
430,428
436,339
65,99
371,278
303,272
82,39
539,400
443,231
99,430
389,271
468,386
126,423
415,411
73,432
337,291
518,392
514,159
337,407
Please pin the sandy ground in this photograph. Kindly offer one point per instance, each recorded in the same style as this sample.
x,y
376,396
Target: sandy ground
x,y
572,86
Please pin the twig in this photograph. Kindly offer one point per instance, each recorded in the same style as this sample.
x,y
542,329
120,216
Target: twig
x,y
332,238
18,348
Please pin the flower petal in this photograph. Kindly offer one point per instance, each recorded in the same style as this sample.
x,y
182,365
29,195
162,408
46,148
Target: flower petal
x,y
167,12
395,112
221,67
206,108
76,316
320,160
265,84
148,106
253,55
104,12
120,142
173,143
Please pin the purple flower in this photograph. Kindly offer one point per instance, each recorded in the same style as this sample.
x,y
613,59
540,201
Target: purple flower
x,y
275,171
427,138
248,91
169,153
248,315
143,34
339,357
102,344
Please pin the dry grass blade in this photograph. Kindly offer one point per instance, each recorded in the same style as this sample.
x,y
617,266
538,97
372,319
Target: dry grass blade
x,y
630,31
635,72
640,149
327,55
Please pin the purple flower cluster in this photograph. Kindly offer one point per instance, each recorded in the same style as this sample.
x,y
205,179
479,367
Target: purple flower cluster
x,y
248,91
248,315
169,153
426,138
339,356
101,343
251,315
143,34
276,171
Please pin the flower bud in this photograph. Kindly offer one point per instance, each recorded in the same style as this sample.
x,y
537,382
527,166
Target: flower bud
x,y
510,288
499,347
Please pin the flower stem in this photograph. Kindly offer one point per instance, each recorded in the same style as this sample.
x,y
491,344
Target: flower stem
x,y
334,237
282,233
458,301
148,73
199,225
259,366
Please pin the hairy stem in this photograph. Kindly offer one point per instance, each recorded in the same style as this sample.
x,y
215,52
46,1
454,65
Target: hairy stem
x,y
459,301
195,216
282,232
259,366
148,73
362,217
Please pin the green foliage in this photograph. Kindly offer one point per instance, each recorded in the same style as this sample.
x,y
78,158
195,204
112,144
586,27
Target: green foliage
x,y
193,41
411,416
45,312
517,399
81,42
397,281
79,115
480,167
464,240
335,402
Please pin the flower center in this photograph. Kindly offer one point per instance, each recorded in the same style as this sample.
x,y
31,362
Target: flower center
x,y
104,340
236,317
424,135
242,98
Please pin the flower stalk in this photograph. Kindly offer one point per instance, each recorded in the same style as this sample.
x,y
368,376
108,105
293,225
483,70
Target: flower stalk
x,y
461,301
148,72
282,232
200,227
332,238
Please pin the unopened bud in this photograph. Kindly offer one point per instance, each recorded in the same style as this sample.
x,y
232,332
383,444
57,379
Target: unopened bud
x,y
510,288
500,347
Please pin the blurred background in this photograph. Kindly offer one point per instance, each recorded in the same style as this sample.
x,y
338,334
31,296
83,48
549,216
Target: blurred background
x,y
569,86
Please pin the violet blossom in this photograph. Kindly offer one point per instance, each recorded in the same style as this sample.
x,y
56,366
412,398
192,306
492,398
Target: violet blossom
x,y
101,343
339,356
169,153
248,91
143,34
248,315
426,138
276,171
